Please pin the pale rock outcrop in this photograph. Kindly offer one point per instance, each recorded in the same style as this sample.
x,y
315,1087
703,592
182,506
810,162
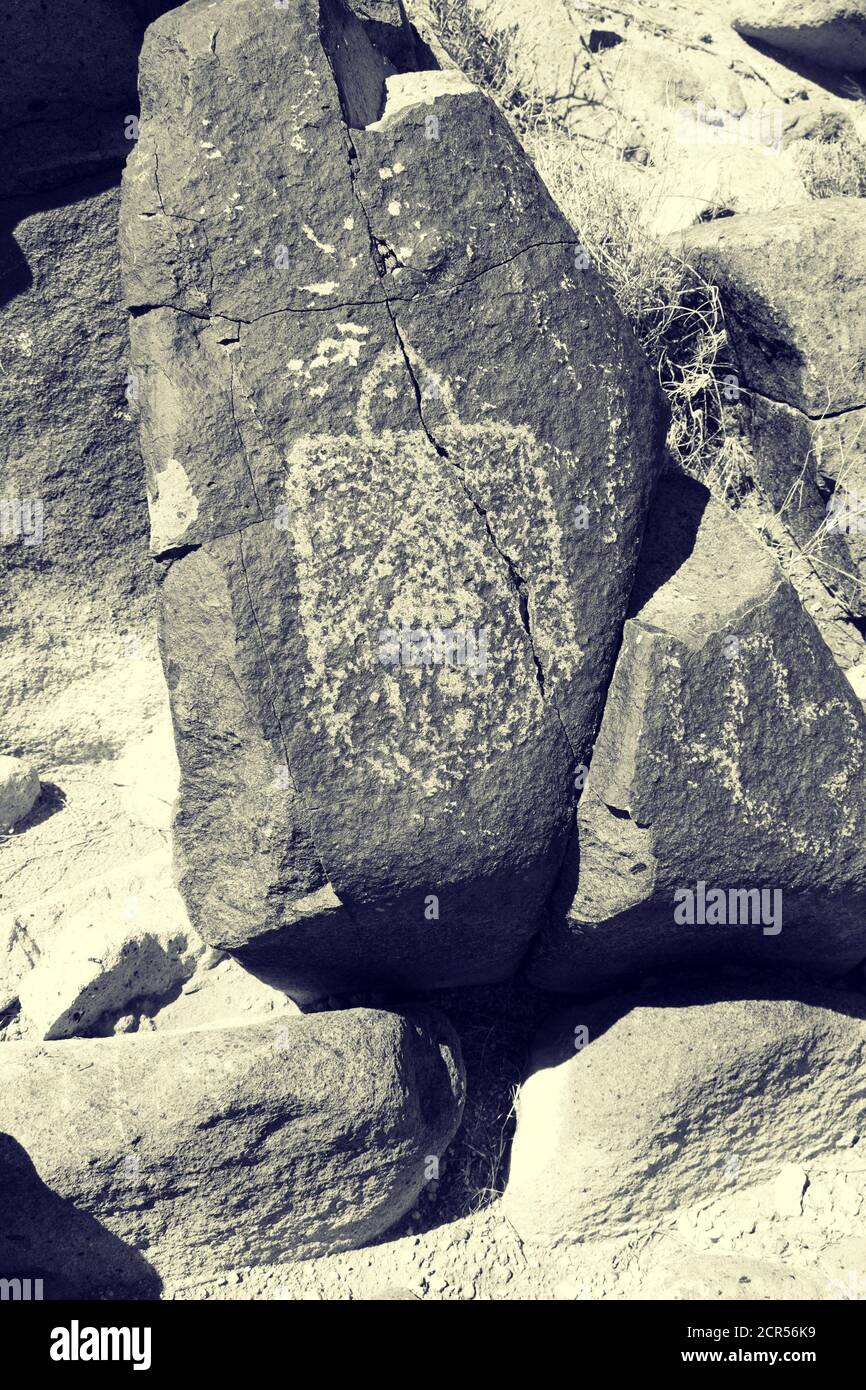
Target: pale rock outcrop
x,y
724,814
126,1160
102,962
400,446
634,1108
28,930
794,297
19,791
826,32
706,124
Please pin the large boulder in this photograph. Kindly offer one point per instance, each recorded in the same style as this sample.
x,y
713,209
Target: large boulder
x,y
636,1107
127,1160
400,445
831,33
796,320
724,813
796,317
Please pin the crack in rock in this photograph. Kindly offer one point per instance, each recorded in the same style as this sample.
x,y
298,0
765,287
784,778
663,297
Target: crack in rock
x,y
518,583
300,799
229,350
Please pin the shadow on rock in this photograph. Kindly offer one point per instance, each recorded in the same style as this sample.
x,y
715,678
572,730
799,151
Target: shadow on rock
x,y
44,1236
555,1044
50,800
838,83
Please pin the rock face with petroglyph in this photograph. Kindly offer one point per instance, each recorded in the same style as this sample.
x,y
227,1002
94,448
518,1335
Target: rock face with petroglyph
x,y
797,324
724,814
124,1160
400,446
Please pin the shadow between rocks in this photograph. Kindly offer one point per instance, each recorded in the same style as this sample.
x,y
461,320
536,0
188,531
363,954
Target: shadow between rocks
x,y
496,1025
16,277
45,1236
669,540
554,1043
837,83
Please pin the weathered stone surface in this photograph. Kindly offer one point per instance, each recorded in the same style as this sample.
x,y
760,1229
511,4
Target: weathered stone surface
x,y
666,1101
19,791
797,317
73,513
128,1158
72,462
797,324
378,396
102,963
40,910
116,953
730,754
66,106
705,122
813,473
826,32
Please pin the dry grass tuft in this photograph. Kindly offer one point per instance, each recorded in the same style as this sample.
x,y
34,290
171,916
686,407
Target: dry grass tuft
x,y
674,311
609,201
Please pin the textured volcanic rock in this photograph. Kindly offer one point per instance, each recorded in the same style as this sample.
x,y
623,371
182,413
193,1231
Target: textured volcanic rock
x,y
635,1107
72,460
400,447
826,32
73,514
157,1144
731,754
797,324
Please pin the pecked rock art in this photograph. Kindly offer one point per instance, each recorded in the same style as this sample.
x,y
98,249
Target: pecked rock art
x,y
401,446
724,815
